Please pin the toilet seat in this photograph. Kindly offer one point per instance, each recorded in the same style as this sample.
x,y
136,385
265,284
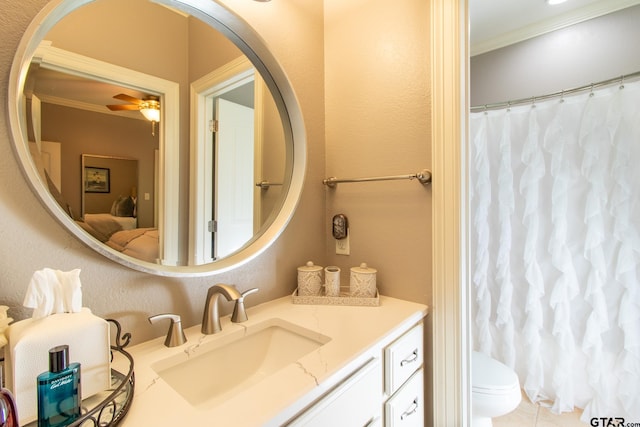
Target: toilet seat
x,y
490,377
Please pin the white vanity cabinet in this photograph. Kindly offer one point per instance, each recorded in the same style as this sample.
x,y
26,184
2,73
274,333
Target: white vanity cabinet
x,y
364,370
355,402
387,391
406,407
404,379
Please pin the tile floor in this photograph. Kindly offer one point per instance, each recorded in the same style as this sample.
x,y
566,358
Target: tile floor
x,y
531,415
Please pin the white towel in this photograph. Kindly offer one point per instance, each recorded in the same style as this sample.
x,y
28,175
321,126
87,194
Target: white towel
x,y
54,291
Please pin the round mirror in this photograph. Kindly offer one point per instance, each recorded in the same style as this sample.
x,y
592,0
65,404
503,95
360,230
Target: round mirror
x,y
173,145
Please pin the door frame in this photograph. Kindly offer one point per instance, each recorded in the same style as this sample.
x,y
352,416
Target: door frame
x,y
167,191
225,78
451,336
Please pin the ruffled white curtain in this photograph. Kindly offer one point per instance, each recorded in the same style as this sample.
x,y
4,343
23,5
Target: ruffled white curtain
x,y
555,247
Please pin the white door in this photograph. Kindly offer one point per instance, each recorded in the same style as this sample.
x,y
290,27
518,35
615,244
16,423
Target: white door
x,y
234,180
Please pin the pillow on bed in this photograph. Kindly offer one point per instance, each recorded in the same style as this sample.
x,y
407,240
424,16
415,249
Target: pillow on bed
x,y
94,232
124,206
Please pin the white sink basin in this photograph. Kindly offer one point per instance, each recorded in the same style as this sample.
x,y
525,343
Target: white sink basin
x,y
205,374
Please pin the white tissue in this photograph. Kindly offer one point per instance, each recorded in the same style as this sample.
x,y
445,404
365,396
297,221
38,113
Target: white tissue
x,y
54,291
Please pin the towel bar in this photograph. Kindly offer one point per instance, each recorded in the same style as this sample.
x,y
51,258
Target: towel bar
x,y
266,184
424,177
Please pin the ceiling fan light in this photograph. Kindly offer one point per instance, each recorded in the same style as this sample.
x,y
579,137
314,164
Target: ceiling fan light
x,y
150,109
151,114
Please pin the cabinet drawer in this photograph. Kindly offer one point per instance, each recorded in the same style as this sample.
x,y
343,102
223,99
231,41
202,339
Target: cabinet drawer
x,y
402,358
406,407
355,402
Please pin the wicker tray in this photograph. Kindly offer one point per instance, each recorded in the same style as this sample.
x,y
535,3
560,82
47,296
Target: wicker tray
x,y
344,299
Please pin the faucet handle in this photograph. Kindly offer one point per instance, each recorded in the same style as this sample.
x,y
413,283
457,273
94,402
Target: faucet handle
x,y
239,314
249,292
175,335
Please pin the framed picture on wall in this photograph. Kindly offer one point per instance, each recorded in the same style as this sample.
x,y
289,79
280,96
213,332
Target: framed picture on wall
x,y
96,180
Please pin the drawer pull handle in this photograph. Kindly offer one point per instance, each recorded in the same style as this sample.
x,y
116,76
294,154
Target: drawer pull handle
x,y
412,409
410,359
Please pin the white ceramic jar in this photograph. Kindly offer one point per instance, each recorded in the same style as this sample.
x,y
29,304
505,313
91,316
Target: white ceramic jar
x,y
332,281
309,279
362,282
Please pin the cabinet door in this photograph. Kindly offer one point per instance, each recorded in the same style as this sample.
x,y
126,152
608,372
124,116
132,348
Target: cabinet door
x,y
406,407
355,402
402,358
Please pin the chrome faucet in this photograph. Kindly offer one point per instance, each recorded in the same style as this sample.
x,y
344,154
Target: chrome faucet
x,y
175,335
211,316
239,314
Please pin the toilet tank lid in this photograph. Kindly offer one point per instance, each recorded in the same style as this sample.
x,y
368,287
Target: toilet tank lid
x,y
489,374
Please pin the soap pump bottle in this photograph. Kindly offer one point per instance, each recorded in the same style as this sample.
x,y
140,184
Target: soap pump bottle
x,y
8,411
59,394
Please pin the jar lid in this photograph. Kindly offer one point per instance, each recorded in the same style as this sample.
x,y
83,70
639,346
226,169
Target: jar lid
x,y
364,269
310,267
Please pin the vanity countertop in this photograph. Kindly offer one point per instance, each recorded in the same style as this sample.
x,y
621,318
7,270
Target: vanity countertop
x,y
356,333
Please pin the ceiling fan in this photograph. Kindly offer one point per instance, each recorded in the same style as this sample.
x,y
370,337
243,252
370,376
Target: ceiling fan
x,y
149,106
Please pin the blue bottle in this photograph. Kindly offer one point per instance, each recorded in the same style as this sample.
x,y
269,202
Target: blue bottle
x,y
59,394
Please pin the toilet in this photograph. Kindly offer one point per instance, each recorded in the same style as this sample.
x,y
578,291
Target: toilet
x,y
495,390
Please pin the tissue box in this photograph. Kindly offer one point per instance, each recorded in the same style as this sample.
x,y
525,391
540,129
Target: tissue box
x,y
27,355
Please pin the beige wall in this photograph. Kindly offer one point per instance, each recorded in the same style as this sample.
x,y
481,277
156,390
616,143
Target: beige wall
x,y
83,132
378,123
128,39
377,106
208,50
372,73
122,181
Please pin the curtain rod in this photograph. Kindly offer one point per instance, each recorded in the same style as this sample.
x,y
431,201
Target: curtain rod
x,y
533,99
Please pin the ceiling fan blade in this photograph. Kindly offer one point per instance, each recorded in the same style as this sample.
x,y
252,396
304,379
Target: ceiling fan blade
x,y
127,98
121,107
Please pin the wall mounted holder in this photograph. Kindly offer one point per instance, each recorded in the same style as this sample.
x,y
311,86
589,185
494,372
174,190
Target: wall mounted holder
x,y
424,177
264,185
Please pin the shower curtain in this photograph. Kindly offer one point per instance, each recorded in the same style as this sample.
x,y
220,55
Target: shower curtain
x,y
555,247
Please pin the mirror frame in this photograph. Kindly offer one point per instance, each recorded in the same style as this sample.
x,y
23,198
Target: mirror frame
x,y
253,46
